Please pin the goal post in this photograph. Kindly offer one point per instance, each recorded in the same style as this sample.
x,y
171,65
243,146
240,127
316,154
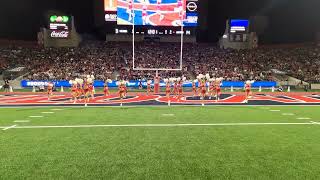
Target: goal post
x,y
156,78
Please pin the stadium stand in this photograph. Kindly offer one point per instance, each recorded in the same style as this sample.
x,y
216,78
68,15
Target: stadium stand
x,y
114,60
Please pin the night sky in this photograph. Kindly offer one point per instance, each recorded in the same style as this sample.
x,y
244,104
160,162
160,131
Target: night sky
x,y
289,20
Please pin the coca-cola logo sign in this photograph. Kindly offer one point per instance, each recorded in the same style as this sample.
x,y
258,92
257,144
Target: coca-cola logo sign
x,y
59,34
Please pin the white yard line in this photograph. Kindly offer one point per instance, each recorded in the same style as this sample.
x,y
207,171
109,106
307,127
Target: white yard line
x,y
158,125
303,118
10,127
274,110
21,121
35,116
315,122
56,109
47,112
287,114
167,114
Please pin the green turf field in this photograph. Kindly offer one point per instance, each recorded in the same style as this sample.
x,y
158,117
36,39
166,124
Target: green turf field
x,y
159,146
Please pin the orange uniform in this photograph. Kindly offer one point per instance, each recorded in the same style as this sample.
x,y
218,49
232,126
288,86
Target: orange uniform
x,y
148,87
106,90
86,88
194,88
218,88
203,88
50,88
168,89
121,91
74,88
179,87
248,88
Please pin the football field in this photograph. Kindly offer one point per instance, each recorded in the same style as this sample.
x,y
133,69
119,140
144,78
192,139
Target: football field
x,y
211,142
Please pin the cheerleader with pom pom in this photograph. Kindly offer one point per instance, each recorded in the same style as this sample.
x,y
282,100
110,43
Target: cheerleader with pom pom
x,y
199,78
175,87
80,91
180,87
148,87
211,88
194,88
125,88
91,87
203,89
50,90
121,91
106,91
248,90
74,89
218,88
86,91
168,88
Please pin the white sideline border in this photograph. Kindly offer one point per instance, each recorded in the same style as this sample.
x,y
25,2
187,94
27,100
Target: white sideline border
x,y
155,125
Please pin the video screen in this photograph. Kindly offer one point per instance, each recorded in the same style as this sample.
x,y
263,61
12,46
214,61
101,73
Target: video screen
x,y
239,25
155,12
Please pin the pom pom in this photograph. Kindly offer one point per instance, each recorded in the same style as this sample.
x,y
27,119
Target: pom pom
x,y
89,80
178,79
184,79
92,76
109,81
207,76
70,82
219,79
88,76
80,81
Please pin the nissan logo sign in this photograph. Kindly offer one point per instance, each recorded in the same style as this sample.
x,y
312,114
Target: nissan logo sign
x,y
192,6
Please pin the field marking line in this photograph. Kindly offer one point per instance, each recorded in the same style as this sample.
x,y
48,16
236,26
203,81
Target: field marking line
x,y
10,127
167,114
303,118
47,112
287,114
21,121
315,122
156,125
274,110
35,116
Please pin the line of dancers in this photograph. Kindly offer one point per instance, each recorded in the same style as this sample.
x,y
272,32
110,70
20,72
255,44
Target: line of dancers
x,y
83,89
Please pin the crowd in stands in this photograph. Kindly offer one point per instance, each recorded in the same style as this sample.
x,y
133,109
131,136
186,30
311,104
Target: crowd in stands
x,y
109,60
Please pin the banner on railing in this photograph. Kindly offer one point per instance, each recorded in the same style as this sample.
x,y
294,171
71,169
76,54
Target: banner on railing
x,y
135,84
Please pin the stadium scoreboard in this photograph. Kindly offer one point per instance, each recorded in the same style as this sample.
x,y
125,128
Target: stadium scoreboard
x,y
59,26
238,30
152,17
